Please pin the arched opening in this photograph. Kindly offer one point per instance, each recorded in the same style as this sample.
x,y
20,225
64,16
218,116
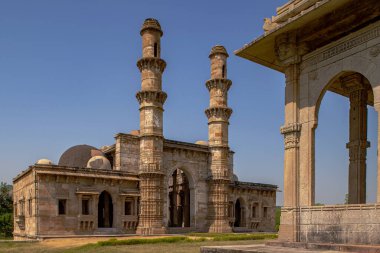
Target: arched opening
x,y
239,211
105,210
179,199
342,142
155,50
237,214
224,71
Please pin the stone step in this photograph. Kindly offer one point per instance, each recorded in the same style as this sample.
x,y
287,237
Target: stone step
x,y
328,246
179,230
258,248
241,230
107,231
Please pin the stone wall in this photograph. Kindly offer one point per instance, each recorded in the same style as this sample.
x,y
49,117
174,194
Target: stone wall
x,y
24,207
127,153
193,160
253,201
348,224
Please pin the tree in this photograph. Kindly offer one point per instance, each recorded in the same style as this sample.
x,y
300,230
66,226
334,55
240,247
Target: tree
x,y
6,210
6,203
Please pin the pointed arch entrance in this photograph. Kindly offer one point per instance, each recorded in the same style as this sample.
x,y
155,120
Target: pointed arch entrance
x,y
179,199
105,210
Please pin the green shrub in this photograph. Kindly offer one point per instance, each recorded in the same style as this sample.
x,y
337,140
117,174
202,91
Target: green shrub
x,y
278,217
6,225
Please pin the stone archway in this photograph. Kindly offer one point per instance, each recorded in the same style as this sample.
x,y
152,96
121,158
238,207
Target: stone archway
x,y
358,90
105,210
237,213
179,196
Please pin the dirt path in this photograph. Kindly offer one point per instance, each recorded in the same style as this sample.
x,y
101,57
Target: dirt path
x,y
76,242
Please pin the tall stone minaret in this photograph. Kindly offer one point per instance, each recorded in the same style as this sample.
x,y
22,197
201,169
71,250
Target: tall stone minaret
x,y
218,115
151,99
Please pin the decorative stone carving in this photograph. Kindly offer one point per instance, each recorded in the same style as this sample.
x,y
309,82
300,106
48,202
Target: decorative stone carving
x,y
151,96
291,135
218,113
151,63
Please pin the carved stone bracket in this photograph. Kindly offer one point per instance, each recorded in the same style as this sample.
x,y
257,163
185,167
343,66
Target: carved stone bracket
x,y
219,83
151,63
223,113
287,49
151,96
291,135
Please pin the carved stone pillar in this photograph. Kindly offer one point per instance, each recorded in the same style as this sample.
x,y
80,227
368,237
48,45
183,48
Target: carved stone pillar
x,y
218,115
151,99
377,107
358,138
289,53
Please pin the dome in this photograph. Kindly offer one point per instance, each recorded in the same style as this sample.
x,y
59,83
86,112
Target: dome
x,y
44,161
99,162
218,49
78,156
151,23
205,143
235,178
135,132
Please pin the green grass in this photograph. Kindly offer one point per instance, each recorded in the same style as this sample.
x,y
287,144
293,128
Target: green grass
x,y
190,243
172,239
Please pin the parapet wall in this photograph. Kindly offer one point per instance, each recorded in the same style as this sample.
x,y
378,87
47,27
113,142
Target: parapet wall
x,y
349,224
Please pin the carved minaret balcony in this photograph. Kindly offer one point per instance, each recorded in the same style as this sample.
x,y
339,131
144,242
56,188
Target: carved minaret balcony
x,y
218,115
151,99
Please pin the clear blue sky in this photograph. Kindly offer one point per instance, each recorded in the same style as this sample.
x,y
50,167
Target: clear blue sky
x,y
68,76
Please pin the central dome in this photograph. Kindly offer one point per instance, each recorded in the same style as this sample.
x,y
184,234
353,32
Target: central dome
x,y
78,156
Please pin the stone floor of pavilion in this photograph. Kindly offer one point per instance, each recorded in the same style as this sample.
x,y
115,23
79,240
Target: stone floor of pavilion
x,y
287,247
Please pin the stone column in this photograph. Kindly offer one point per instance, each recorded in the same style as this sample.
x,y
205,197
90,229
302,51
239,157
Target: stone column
x,y
377,107
151,99
289,53
218,115
175,200
358,144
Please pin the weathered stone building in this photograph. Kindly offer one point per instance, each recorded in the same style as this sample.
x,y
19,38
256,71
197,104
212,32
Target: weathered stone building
x,y
324,45
144,183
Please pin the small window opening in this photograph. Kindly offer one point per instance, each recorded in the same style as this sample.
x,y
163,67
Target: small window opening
x,y
155,50
253,211
62,206
128,208
85,206
30,206
224,71
265,214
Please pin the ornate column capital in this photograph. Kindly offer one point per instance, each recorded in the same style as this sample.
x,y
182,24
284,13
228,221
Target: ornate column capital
x,y
291,134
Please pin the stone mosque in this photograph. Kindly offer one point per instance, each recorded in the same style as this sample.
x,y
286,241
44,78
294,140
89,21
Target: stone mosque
x,y
146,184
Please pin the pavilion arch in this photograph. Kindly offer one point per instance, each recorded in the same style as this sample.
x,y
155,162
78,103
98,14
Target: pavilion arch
x,y
190,207
337,82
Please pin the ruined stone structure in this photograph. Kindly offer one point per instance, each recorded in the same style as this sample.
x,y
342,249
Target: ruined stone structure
x,y
144,183
324,45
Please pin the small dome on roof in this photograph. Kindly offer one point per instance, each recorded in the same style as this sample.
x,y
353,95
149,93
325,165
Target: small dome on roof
x,y
44,161
201,143
218,49
135,132
99,162
78,156
235,178
151,23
